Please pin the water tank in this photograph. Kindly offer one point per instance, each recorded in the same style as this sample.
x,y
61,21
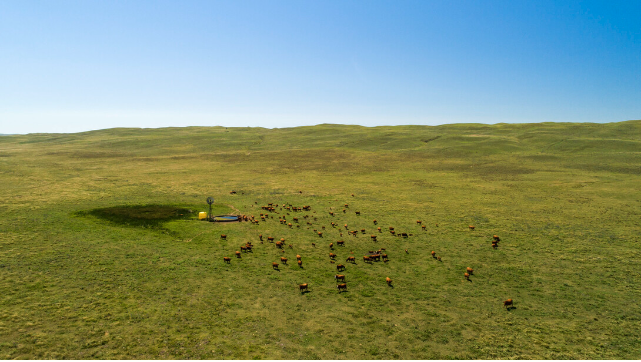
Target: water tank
x,y
202,215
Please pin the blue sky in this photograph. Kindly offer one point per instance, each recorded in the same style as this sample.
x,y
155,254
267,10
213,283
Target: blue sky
x,y
71,66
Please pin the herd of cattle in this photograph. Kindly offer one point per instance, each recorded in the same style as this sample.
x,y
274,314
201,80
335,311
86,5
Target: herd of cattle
x,y
373,255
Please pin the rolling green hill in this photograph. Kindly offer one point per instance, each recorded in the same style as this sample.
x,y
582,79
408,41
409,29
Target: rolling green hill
x,y
102,255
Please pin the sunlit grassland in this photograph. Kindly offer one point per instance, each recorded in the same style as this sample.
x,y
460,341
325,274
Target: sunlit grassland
x,y
564,198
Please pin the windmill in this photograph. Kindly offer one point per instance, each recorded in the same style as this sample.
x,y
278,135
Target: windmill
x,y
210,201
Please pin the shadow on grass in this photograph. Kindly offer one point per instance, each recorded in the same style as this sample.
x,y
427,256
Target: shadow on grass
x,y
140,216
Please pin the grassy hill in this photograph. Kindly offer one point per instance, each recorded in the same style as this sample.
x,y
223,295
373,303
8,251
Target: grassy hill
x,y
101,255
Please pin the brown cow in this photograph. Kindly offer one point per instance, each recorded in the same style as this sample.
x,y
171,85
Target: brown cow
x,y
346,205
470,270
366,258
283,259
418,221
260,236
358,212
331,245
332,255
270,239
392,232
496,238
340,243
345,226
384,256
375,222
223,236
243,248
379,229
471,227
389,281
438,258
302,287
320,234
351,259
340,267
279,244
314,245
495,245
375,257
297,257
275,265
433,254
339,277
467,276
508,303
226,259
238,254
423,227
391,228
290,225
373,237
342,287
300,263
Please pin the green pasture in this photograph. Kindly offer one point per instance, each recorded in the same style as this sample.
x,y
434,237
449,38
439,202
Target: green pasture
x,y
102,255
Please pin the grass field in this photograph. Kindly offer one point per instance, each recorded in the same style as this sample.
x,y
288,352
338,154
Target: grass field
x,y
101,255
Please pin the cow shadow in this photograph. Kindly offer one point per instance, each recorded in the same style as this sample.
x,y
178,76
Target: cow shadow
x,y
305,292
509,309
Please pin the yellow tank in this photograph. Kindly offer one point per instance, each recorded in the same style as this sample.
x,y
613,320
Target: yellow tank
x,y
202,215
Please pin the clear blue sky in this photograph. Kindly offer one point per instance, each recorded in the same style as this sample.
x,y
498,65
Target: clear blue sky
x,y
70,66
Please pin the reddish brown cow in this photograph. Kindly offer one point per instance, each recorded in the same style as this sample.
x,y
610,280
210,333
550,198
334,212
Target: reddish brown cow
x,y
320,234
470,270
345,226
358,212
495,245
340,243
471,227
373,237
332,255
389,281
384,256
270,239
467,276
340,267
283,259
418,221
438,258
339,277
508,303
314,245
331,245
297,257
379,229
260,236
366,258
423,227
223,236
243,248
496,238
238,254
375,222
433,254
351,259
227,259
392,232
346,206
275,265
342,287
391,228
302,287
300,263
